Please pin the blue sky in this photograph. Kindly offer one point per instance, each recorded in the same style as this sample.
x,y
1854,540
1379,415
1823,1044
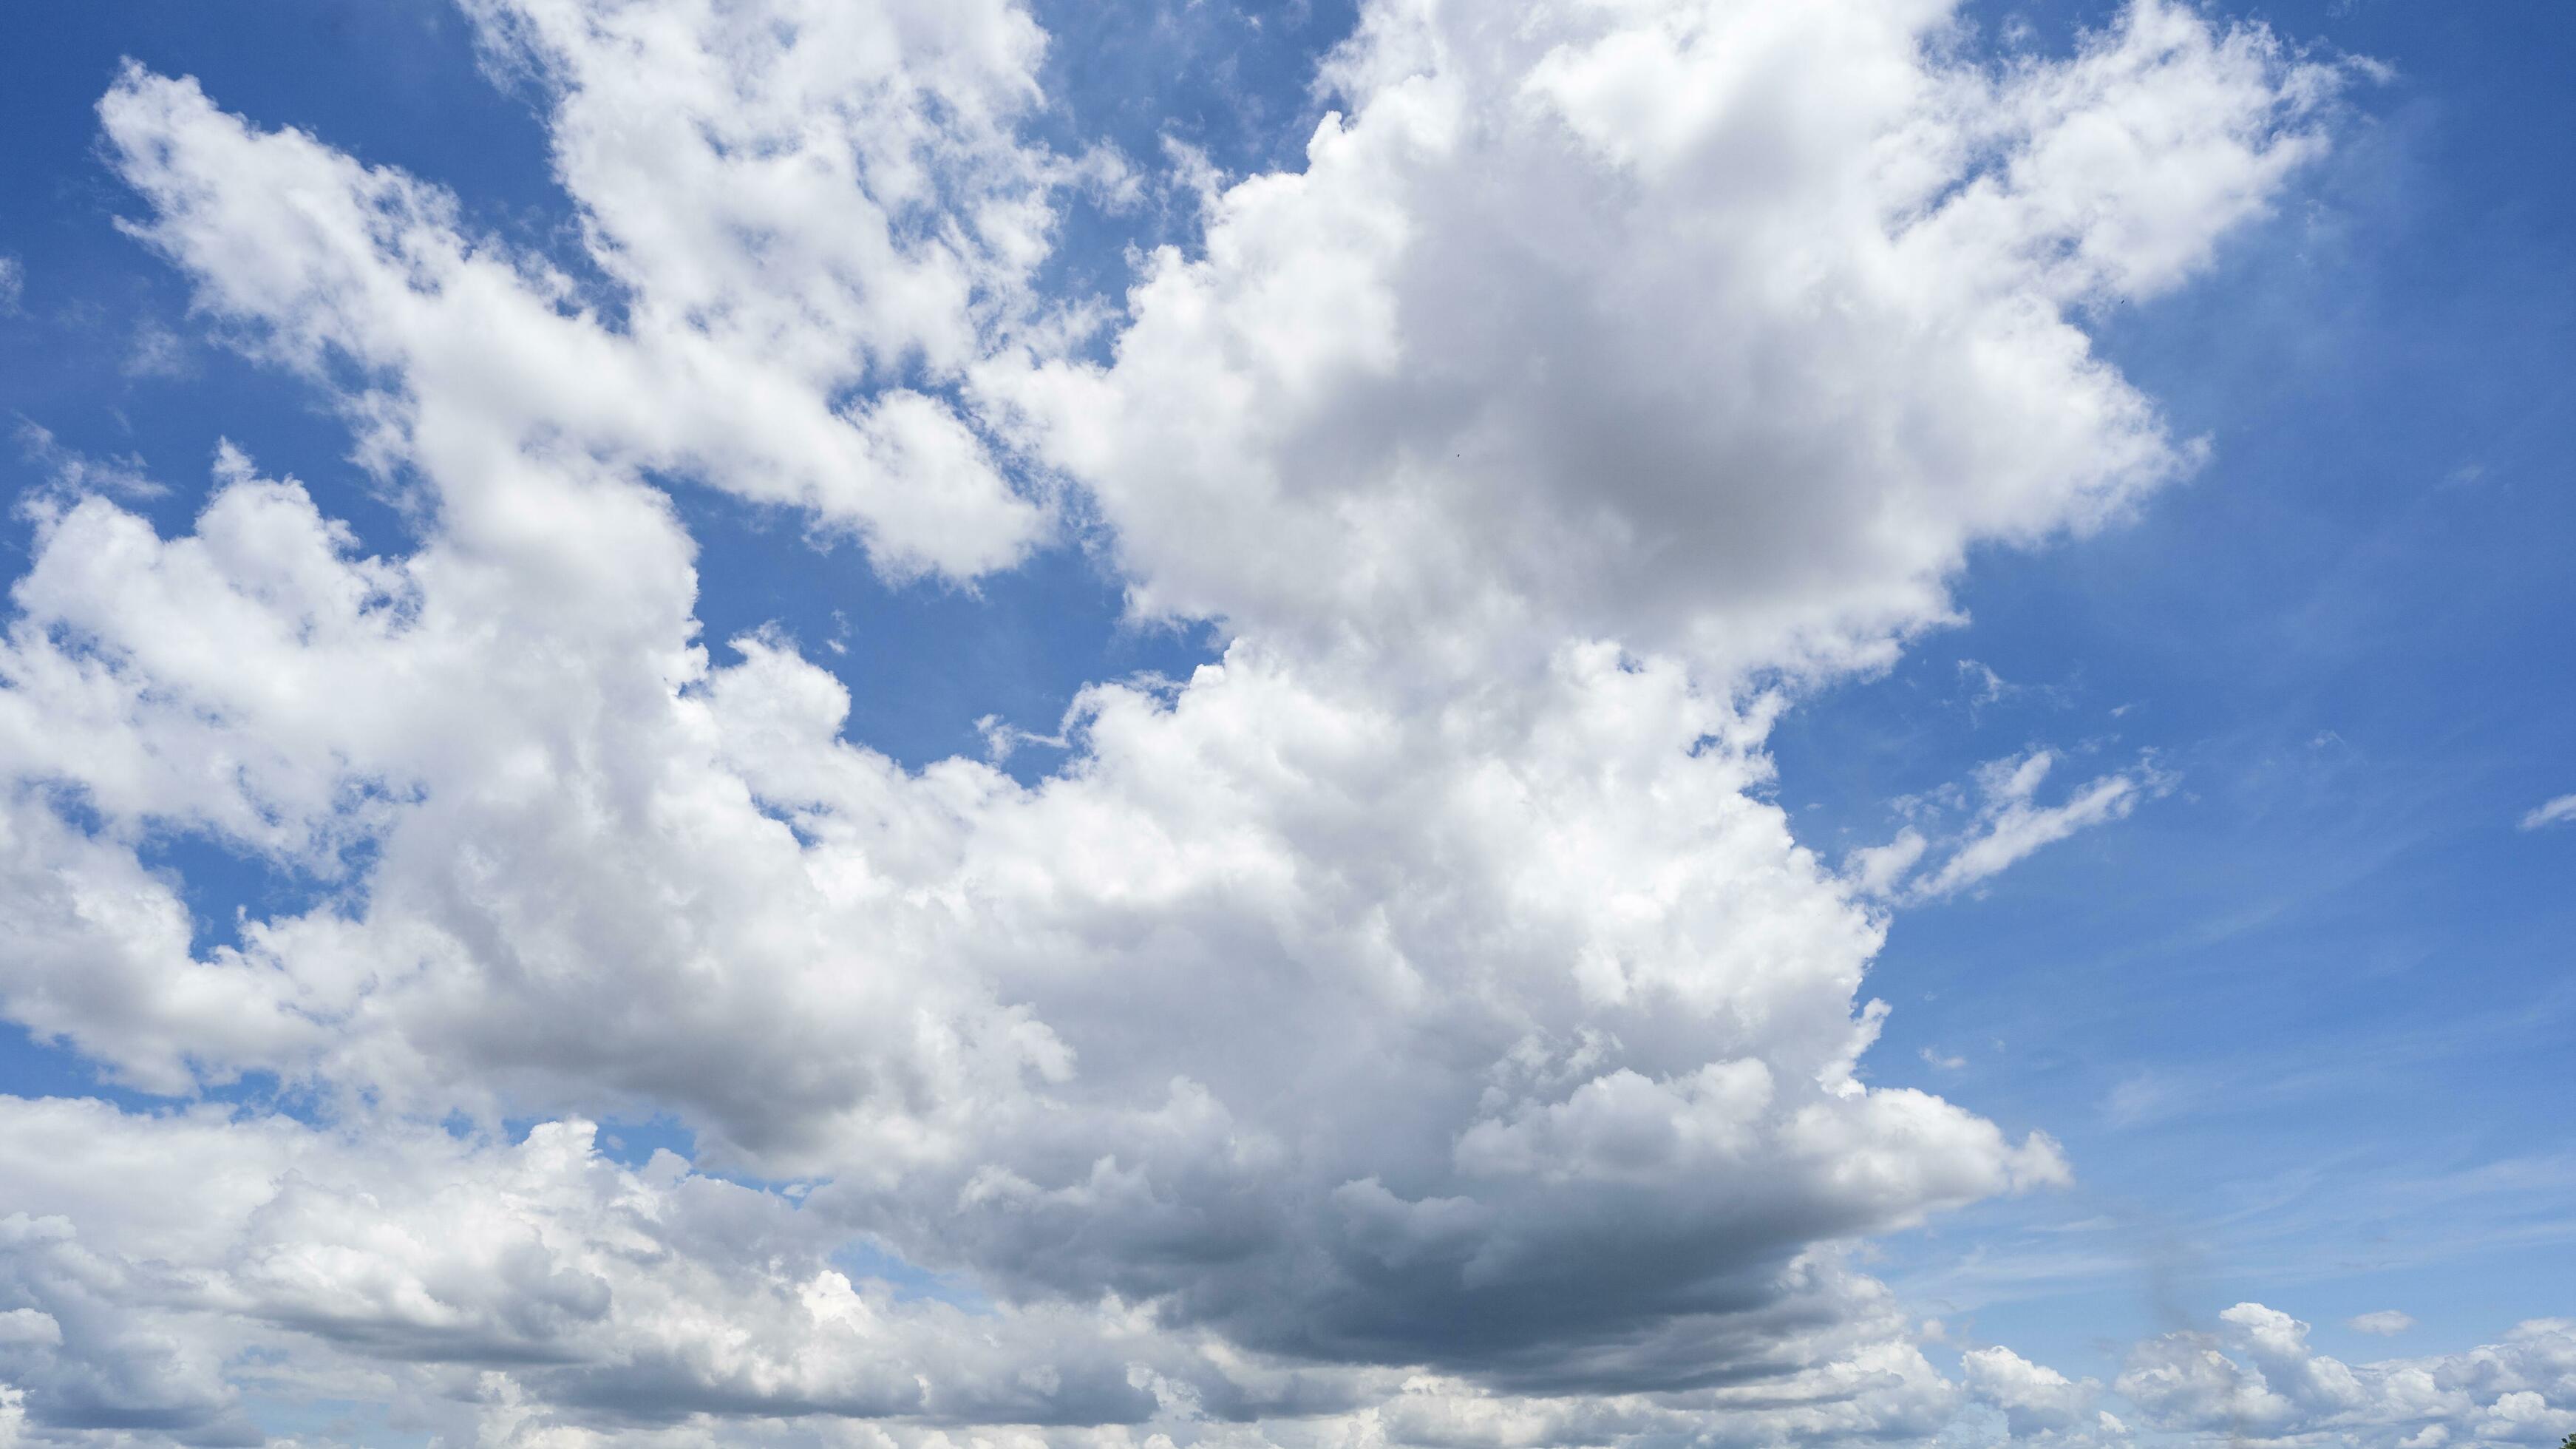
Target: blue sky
x,y
2302,1019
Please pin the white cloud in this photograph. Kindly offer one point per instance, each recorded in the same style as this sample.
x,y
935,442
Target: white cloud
x,y
2035,1399
156,352
2256,1380
1875,870
933,996
72,472
2006,827
2010,826
1418,1022
2553,812
808,214
2387,1323
1719,330
1986,688
2152,1096
13,290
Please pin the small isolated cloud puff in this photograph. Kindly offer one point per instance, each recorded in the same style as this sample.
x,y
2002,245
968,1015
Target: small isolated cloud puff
x,y
2553,812
2387,1323
156,352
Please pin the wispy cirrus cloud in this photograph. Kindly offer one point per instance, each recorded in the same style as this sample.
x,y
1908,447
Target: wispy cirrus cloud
x,y
2005,825
2550,812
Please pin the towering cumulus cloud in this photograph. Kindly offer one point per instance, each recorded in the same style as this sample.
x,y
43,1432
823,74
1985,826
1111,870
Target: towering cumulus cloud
x,y
1415,1027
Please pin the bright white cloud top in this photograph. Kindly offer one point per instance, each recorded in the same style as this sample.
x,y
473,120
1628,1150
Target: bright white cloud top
x,y
1419,1027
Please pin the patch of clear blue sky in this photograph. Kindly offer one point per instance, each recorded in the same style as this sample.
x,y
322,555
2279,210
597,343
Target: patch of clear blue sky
x,y
2304,1024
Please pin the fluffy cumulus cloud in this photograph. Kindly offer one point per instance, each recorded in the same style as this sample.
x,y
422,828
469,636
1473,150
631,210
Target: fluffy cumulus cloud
x,y
1717,329
1415,1027
810,218
2256,1381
